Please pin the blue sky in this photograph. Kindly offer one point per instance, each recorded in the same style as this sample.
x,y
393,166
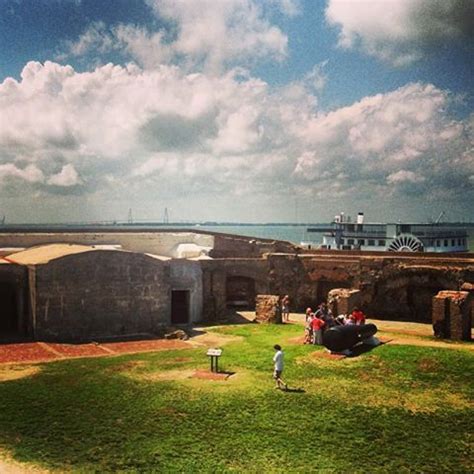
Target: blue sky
x,y
236,109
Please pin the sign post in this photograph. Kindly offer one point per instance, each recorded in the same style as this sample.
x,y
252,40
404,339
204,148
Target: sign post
x,y
214,354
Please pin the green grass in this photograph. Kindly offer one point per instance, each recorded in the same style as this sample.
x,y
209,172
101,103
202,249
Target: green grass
x,y
395,409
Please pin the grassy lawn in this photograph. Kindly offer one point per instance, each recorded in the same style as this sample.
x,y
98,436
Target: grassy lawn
x,y
394,409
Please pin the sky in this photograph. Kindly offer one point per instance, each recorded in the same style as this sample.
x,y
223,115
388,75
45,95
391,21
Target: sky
x,y
236,110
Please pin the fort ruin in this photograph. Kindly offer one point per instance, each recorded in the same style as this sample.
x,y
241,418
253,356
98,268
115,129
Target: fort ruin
x,y
93,284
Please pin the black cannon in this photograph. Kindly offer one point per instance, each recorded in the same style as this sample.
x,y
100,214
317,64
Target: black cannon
x,y
341,338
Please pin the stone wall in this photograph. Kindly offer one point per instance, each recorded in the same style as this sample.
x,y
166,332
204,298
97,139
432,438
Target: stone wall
x,y
101,294
343,300
391,287
216,274
234,246
452,315
267,309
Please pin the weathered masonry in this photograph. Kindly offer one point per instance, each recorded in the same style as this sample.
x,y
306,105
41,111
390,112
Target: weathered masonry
x,y
92,285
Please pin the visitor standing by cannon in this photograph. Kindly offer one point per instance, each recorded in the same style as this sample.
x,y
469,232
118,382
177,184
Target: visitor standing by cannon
x,y
317,325
358,316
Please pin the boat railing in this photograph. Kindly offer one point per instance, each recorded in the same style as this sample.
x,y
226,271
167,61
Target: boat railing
x,y
461,233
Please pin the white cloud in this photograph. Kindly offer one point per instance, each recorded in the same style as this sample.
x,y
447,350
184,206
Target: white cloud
x,y
30,173
209,33
404,176
66,177
151,133
400,31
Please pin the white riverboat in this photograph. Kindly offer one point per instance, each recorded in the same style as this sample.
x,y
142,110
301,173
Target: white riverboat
x,y
345,234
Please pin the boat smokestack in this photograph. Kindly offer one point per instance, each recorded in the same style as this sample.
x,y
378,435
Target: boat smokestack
x,y
360,218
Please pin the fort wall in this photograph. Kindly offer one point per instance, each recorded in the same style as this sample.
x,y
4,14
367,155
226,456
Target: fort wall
x,y
157,243
99,294
391,287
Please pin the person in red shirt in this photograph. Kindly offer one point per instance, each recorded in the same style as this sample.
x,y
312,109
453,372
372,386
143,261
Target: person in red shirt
x,y
317,325
358,316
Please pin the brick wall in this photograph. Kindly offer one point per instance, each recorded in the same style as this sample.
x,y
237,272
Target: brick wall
x,y
452,315
343,300
267,309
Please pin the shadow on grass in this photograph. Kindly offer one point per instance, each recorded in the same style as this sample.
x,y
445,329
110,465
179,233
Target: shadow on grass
x,y
233,317
364,347
294,390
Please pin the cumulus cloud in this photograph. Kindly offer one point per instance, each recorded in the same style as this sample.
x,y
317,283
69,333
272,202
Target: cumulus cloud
x,y
68,176
404,176
205,33
117,129
401,31
30,173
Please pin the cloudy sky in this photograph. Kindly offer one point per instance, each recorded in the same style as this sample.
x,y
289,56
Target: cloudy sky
x,y
236,110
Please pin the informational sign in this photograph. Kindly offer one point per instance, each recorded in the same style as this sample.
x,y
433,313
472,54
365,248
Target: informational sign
x,y
214,354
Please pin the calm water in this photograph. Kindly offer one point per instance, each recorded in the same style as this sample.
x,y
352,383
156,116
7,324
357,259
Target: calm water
x,y
290,233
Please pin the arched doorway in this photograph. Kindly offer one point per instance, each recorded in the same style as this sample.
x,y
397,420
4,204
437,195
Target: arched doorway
x,y
240,292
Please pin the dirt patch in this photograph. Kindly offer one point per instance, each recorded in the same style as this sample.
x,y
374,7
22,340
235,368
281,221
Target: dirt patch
x,y
10,466
127,366
213,339
177,374
180,359
297,340
413,341
17,372
146,346
206,375
427,364
328,355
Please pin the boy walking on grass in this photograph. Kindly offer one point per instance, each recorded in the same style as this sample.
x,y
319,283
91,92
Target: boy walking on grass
x,y
278,361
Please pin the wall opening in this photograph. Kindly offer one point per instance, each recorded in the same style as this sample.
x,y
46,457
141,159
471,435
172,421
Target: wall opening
x,y
240,292
9,317
179,307
419,299
409,297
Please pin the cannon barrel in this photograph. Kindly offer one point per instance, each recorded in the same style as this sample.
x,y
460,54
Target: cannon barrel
x,y
341,338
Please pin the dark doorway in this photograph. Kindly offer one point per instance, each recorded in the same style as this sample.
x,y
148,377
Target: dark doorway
x,y
8,310
180,307
240,292
419,300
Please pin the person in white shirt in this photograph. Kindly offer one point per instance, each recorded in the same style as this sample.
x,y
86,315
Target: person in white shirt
x,y
278,370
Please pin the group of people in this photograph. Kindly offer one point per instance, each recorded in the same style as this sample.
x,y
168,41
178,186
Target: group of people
x,y
316,323
322,319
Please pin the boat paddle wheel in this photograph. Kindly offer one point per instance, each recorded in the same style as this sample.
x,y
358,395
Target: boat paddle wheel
x,y
406,243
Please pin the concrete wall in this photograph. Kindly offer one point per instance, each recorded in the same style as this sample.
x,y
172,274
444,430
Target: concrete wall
x,y
101,294
163,242
187,275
